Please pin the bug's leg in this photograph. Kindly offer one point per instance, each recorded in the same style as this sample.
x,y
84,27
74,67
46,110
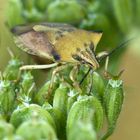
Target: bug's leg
x,y
106,63
30,67
107,74
10,52
84,77
90,82
55,71
101,55
73,75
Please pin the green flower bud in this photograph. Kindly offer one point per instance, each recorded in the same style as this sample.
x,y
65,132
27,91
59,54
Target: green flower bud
x,y
58,118
82,131
25,112
42,4
27,80
94,6
28,4
11,72
40,97
71,100
60,98
36,129
27,85
96,21
33,15
113,100
68,11
84,108
13,13
6,129
60,103
13,137
98,85
7,98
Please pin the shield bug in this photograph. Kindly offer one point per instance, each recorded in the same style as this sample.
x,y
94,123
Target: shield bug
x,y
61,45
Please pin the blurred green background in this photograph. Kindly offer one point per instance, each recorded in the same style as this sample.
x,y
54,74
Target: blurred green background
x,y
119,20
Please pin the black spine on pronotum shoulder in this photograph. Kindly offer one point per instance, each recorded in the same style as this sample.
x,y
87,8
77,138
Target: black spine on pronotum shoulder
x,y
55,55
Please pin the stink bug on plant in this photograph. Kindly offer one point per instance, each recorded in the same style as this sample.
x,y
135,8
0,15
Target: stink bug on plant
x,y
60,44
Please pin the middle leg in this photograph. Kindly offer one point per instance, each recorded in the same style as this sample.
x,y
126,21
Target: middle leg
x,y
54,73
73,75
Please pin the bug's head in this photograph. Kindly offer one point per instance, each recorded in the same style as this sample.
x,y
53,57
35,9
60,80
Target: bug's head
x,y
90,57
87,56
94,65
89,53
92,60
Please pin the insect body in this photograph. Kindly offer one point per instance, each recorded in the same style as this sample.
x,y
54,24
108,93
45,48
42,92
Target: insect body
x,y
60,43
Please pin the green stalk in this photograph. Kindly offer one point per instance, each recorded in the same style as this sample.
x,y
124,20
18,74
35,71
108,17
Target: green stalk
x,y
123,10
109,132
138,11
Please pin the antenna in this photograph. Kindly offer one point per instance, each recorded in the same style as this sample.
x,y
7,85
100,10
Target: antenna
x,y
122,45
109,54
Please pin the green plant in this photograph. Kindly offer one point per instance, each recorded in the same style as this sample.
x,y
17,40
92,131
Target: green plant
x,y
67,114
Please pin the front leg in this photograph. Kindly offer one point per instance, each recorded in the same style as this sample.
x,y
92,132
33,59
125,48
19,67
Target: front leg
x,y
109,75
30,67
101,55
